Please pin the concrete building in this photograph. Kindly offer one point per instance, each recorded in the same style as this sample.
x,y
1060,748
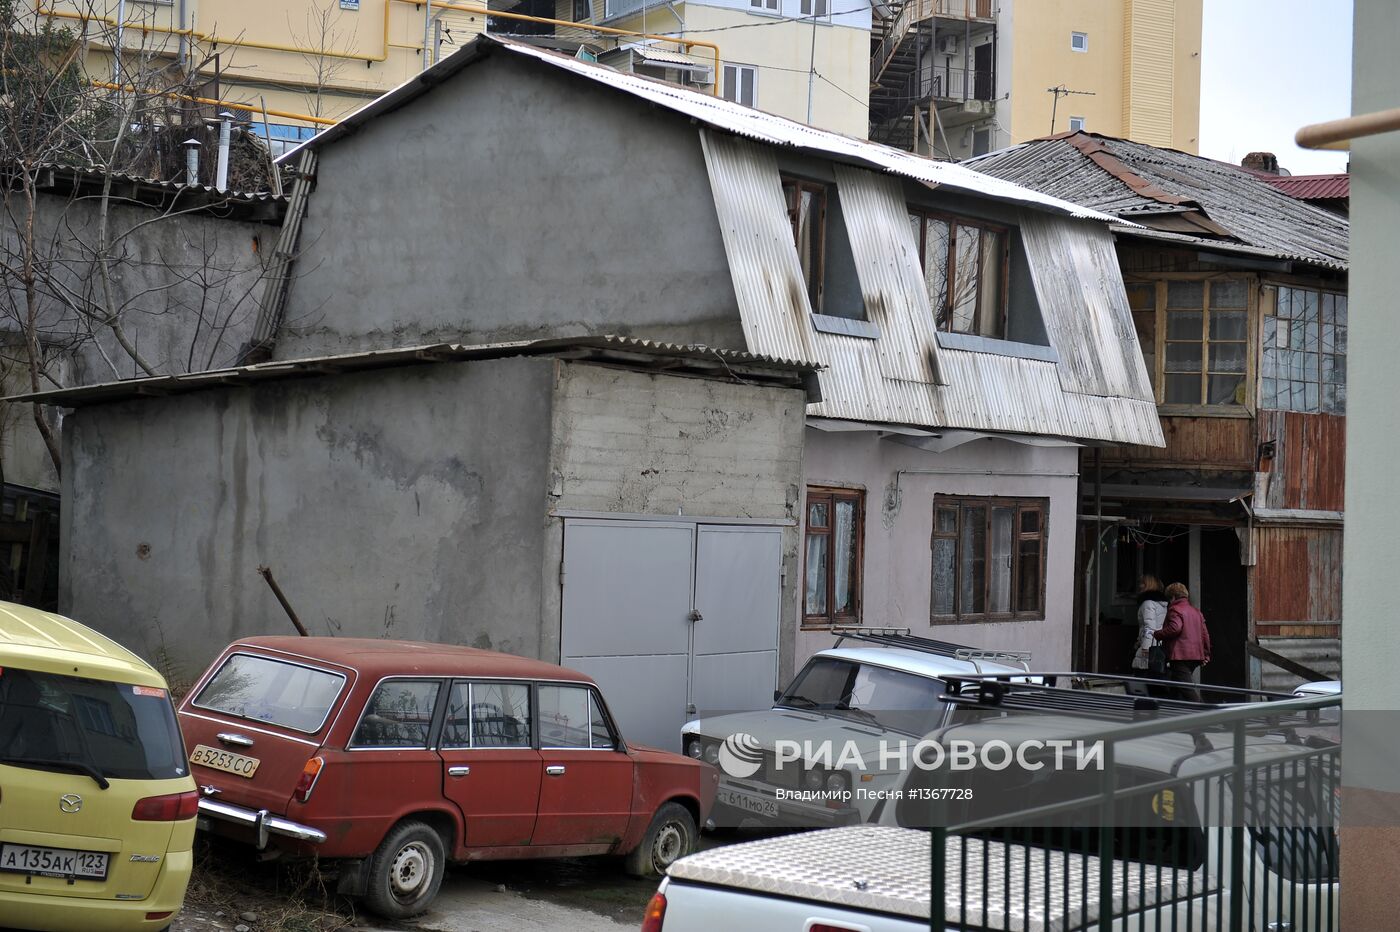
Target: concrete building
x,y
802,59
957,78
308,63
1239,296
971,335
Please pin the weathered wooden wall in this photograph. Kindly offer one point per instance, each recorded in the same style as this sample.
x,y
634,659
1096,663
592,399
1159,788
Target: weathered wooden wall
x,y
1210,442
1309,462
1298,582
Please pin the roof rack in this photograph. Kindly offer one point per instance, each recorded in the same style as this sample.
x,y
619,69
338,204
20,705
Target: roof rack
x,y
1047,694
900,637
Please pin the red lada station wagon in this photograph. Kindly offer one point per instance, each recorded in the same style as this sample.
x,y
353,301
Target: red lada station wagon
x,y
393,757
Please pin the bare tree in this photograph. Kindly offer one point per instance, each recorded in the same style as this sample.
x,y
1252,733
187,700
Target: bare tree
x,y
90,259
324,35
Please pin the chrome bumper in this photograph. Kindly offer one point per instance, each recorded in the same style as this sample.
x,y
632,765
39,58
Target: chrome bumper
x,y
262,822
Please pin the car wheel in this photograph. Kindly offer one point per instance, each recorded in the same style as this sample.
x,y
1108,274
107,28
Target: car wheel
x,y
405,871
670,836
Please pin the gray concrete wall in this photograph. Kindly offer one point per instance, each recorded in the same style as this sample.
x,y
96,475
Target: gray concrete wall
x,y
402,503
899,524
186,287
512,203
1370,650
640,444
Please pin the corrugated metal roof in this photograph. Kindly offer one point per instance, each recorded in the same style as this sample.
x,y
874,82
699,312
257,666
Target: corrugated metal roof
x,y
1099,390
608,348
715,112
1311,187
96,174
1136,181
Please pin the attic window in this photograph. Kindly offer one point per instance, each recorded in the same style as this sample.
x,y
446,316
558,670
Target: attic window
x,y
965,266
823,248
1076,124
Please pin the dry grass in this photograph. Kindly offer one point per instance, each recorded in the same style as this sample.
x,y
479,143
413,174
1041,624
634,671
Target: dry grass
x,y
286,897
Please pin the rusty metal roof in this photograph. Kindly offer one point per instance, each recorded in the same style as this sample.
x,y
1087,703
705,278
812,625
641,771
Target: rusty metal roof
x,y
1180,197
688,359
714,112
1311,187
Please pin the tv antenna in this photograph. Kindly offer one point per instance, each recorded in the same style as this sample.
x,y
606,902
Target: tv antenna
x,y
1061,91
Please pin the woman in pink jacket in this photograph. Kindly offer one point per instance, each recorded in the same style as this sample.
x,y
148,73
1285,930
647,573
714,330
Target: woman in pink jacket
x,y
1187,641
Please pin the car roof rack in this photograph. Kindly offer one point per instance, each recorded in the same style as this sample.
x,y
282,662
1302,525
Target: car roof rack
x,y
900,637
1046,693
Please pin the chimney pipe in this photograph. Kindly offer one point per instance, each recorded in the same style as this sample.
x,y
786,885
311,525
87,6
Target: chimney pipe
x,y
192,146
225,134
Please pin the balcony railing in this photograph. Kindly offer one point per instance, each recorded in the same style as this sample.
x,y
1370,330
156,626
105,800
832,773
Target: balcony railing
x,y
916,11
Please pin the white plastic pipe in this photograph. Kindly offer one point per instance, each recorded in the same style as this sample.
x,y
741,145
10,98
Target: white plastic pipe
x,y
192,161
225,136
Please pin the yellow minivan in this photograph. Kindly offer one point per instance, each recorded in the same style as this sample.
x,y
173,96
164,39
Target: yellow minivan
x,y
97,805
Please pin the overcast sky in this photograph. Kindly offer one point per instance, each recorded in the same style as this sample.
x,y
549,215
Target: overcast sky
x,y
1269,67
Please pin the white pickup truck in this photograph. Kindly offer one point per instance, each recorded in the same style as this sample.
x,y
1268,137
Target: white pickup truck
x,y
1185,867
869,878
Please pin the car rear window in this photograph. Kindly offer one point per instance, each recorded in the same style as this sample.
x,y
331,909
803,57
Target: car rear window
x,y
70,723
268,690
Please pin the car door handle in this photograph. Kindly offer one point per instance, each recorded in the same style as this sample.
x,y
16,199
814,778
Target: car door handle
x,y
555,770
228,737
458,771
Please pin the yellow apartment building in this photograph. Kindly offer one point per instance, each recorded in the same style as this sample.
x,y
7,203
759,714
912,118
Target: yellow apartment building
x,y
956,78
310,62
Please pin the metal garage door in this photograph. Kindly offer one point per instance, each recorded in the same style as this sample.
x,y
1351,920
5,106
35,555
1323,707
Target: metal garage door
x,y
672,616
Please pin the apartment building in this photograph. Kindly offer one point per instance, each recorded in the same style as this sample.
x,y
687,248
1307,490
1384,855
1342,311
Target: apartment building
x,y
957,78
300,65
802,59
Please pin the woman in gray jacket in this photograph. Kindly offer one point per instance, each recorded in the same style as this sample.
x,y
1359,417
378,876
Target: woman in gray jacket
x,y
1152,612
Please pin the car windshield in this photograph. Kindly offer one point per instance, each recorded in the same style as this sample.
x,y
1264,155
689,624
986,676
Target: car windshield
x,y
891,699
72,724
268,690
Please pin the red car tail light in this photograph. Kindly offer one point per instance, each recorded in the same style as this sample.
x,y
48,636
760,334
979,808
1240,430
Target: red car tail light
x,y
307,781
655,914
176,807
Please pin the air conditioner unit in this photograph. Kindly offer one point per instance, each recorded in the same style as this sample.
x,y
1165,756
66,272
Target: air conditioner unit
x,y
948,45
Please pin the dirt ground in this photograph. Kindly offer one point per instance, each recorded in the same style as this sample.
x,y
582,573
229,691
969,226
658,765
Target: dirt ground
x,y
229,890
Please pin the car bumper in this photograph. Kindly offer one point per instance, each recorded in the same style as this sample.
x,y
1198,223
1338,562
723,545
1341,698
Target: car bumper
x,y
263,823
65,913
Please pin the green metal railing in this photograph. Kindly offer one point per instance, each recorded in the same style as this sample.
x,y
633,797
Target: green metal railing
x,y
1238,833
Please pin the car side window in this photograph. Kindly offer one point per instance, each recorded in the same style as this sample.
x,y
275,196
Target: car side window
x,y
599,732
398,715
564,717
487,715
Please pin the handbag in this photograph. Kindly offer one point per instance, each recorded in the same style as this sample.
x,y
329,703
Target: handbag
x,y
1156,660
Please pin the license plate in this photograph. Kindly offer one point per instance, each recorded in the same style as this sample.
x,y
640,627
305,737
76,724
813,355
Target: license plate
x,y
748,802
53,862
227,761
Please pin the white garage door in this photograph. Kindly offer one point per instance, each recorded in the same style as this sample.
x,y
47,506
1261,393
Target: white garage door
x,y
670,617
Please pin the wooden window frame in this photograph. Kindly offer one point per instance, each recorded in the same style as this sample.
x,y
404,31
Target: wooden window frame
x,y
944,313
1160,280
1020,505
1278,286
816,277
831,495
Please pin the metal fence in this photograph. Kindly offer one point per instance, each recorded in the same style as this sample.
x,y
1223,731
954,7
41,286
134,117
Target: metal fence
x,y
1217,820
